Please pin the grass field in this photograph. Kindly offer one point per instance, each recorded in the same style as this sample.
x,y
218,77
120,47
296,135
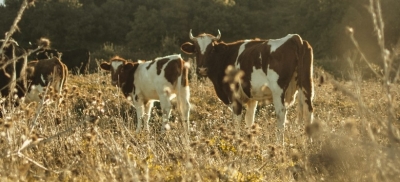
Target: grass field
x,y
88,134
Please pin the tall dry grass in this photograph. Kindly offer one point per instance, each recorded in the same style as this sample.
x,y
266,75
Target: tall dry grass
x,y
87,134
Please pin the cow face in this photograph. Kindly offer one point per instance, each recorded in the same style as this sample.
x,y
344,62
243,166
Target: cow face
x,y
203,46
120,71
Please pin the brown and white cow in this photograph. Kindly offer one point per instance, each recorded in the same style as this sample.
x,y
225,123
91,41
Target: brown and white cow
x,y
273,70
27,79
45,73
161,79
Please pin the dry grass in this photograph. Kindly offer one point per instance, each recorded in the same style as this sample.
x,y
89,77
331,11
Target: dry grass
x,y
87,134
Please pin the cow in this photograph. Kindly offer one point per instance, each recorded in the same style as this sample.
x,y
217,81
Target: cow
x,y
272,70
77,60
28,78
144,82
45,73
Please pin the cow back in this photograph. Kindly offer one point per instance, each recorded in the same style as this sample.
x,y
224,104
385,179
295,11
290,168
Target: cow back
x,y
48,72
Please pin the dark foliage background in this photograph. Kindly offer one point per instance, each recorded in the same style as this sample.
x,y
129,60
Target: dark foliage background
x,y
144,29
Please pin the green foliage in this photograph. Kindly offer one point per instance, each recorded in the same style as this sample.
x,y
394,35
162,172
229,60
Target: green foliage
x,y
152,28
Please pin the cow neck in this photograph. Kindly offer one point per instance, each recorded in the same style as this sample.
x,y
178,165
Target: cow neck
x,y
217,65
220,62
128,87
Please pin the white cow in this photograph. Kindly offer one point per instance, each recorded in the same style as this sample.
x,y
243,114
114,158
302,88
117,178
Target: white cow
x,y
161,79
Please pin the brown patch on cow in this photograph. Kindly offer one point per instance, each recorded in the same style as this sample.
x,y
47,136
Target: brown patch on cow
x,y
160,64
126,78
306,80
30,70
252,60
148,67
124,75
47,72
173,70
287,52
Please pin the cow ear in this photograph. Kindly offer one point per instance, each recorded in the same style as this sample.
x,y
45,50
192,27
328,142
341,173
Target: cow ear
x,y
130,66
188,48
105,66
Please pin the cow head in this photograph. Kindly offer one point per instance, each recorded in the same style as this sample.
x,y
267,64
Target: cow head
x,y
120,69
47,54
203,46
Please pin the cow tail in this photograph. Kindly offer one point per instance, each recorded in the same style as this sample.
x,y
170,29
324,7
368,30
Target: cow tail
x,y
63,76
181,81
184,92
87,69
56,77
305,81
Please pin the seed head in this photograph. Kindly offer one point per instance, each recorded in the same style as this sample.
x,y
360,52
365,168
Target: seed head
x,y
312,129
43,42
7,124
58,121
295,155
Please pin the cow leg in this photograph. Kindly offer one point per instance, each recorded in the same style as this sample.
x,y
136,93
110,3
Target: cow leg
x,y
139,113
251,111
166,110
184,105
237,108
147,113
280,111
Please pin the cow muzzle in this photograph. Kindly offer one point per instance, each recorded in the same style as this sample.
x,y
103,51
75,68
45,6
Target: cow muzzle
x,y
203,71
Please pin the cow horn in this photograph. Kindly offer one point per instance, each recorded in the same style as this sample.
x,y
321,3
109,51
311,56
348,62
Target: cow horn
x,y
191,35
218,36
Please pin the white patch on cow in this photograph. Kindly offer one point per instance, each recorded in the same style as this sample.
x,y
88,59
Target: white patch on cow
x,y
203,42
241,49
115,64
33,95
39,88
250,113
43,80
263,85
276,43
170,57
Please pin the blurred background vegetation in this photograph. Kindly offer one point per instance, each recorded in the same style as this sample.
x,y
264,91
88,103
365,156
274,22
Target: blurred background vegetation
x,y
144,29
